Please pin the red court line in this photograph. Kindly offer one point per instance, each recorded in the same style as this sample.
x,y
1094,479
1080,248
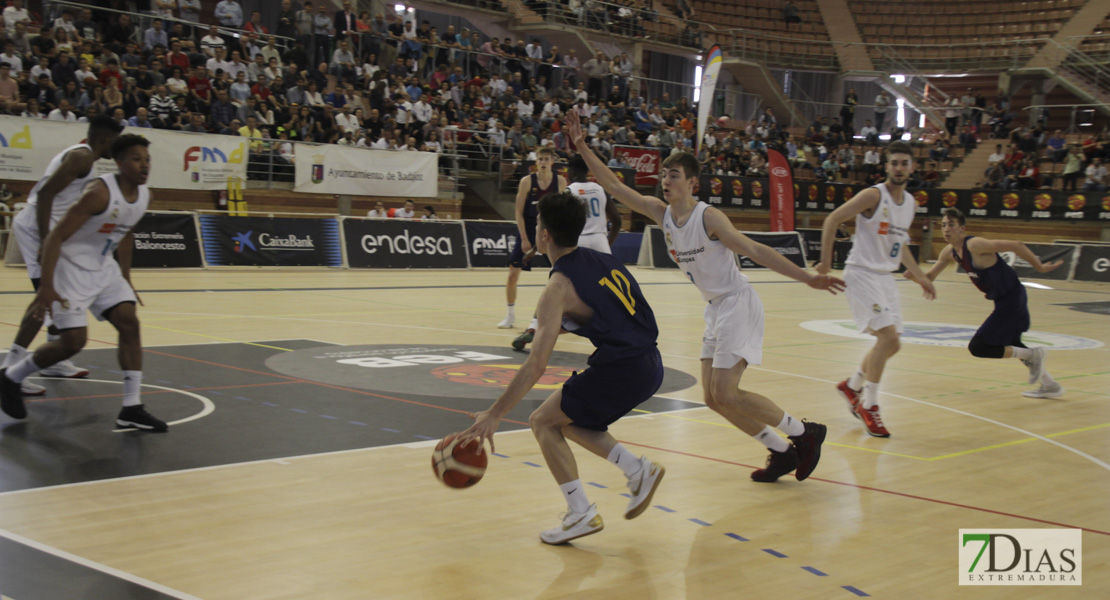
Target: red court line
x,y
874,489
721,460
146,393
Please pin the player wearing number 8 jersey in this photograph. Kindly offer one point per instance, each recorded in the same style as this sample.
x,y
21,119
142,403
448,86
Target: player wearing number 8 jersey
x,y
884,214
80,273
703,241
592,295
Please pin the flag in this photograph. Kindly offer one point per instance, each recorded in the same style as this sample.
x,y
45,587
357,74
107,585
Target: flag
x,y
708,88
782,191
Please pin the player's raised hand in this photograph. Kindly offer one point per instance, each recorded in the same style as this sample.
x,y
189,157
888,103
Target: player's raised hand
x,y
574,130
485,425
826,282
1046,267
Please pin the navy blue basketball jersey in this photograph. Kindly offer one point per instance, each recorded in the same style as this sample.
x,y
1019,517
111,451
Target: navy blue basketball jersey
x,y
531,210
623,324
995,281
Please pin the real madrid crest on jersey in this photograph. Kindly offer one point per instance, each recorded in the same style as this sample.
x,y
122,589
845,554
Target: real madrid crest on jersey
x,y
115,213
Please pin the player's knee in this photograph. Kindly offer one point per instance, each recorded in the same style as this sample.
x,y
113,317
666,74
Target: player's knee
x,y
540,419
719,390
981,349
73,340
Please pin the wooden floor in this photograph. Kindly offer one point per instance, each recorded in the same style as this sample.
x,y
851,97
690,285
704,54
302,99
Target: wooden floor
x,y
878,517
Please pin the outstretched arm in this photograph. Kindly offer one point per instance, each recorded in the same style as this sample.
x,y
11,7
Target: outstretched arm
x,y
915,273
718,226
942,263
549,316
861,202
649,206
980,245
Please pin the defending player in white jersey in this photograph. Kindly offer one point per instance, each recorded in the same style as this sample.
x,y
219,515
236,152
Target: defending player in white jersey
x,y
61,185
884,214
703,242
603,224
80,273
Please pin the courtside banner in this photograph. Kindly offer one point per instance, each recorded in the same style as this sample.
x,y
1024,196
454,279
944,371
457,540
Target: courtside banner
x,y
166,240
275,242
331,169
404,244
490,243
27,145
787,243
782,192
1093,264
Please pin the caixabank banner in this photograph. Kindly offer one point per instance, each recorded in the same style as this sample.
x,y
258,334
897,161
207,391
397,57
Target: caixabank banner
x,y
262,241
404,244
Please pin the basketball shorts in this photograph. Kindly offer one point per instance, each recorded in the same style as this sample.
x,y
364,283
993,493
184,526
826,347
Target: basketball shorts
x,y
26,231
598,396
1008,321
93,291
516,259
873,298
734,329
595,241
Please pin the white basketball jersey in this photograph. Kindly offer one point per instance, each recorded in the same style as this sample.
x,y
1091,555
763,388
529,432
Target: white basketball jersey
x,y
91,246
708,263
70,193
594,196
879,239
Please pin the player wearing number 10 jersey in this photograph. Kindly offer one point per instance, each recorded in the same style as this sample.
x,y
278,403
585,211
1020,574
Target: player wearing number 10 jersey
x,y
591,294
884,214
704,243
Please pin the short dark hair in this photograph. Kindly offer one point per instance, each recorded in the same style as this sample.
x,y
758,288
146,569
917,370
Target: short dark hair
x,y
124,143
899,147
577,169
685,161
564,216
955,214
103,125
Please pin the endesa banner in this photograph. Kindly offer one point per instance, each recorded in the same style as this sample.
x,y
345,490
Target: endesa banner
x,y
261,241
331,169
164,239
490,243
645,161
403,244
1093,264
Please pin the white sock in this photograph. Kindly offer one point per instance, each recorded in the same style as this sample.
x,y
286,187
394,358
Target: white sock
x,y
132,381
22,369
1047,380
791,426
533,324
627,461
856,381
769,438
511,310
13,356
1022,353
870,394
576,496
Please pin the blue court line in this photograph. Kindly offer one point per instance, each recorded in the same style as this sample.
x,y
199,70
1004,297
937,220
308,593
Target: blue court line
x,y
626,494
329,417
856,591
737,537
700,522
598,485
299,410
773,553
815,571
391,430
188,387
358,423
424,437
501,455
216,393
268,404
664,508
241,398
158,380
532,464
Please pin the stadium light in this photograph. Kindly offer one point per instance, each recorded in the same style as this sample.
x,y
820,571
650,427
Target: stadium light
x,y
399,8
697,83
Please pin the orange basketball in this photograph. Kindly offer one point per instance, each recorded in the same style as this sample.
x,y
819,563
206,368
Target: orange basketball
x,y
459,466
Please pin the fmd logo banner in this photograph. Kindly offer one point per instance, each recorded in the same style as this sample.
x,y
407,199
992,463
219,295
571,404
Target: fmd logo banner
x,y
1021,557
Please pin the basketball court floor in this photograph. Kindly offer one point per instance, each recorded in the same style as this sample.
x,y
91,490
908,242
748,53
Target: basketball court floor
x,y
305,404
